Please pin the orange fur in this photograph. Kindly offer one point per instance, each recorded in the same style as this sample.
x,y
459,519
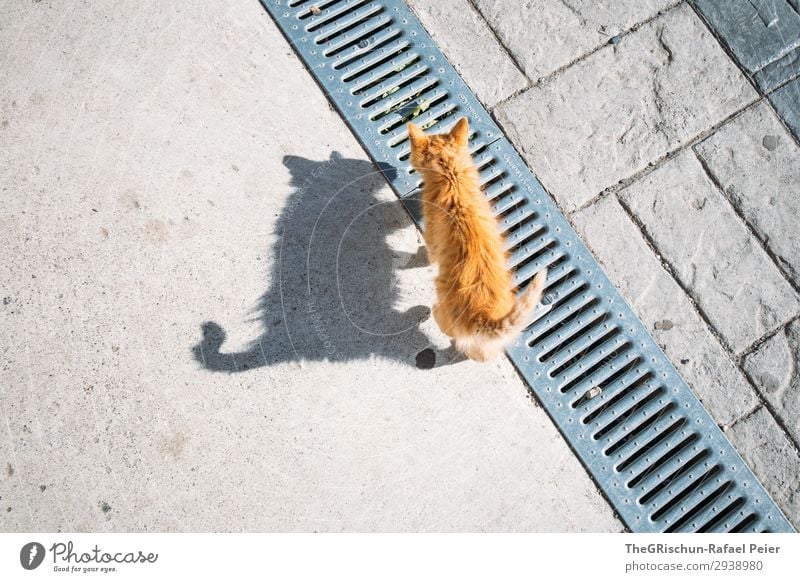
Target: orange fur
x,y
476,302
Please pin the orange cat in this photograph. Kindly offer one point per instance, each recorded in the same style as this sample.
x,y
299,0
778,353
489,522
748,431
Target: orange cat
x,y
476,303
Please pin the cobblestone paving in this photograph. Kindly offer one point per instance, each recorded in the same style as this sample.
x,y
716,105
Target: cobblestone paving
x,y
664,131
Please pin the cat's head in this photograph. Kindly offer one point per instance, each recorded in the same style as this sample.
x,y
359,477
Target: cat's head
x,y
438,153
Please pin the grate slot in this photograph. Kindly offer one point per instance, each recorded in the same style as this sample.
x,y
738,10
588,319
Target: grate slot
x,y
477,147
532,248
408,109
440,119
585,345
546,256
596,370
367,45
567,307
521,285
648,447
536,250
682,476
394,83
591,362
483,160
676,499
402,100
337,28
700,507
371,60
640,408
608,386
492,166
305,14
722,516
505,205
617,390
434,123
351,39
559,273
492,178
553,259
521,234
713,508
683,469
746,525
649,425
515,217
571,334
499,188
326,15
384,66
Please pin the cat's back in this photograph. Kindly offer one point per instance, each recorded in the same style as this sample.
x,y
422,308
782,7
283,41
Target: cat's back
x,y
472,259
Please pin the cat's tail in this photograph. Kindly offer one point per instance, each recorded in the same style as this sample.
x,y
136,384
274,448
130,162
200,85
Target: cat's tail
x,y
520,315
490,341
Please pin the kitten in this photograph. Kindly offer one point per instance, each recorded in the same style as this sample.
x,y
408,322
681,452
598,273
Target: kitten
x,y
476,301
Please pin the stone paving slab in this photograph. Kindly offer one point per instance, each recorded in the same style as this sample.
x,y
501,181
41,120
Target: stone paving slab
x,y
545,35
624,107
773,459
471,48
786,101
775,369
763,34
757,164
711,251
778,72
665,310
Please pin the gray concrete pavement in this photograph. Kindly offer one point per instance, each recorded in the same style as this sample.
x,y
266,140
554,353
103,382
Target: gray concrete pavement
x,y
170,164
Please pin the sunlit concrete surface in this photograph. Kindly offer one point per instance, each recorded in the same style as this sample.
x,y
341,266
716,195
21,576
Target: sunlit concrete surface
x,y
212,306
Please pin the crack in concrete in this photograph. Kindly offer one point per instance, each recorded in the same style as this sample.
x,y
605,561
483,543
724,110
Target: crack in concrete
x,y
664,45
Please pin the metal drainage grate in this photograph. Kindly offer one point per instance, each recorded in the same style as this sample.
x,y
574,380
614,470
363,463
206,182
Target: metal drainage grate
x,y
635,424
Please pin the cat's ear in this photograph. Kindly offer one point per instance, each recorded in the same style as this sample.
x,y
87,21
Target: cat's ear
x,y
417,136
460,132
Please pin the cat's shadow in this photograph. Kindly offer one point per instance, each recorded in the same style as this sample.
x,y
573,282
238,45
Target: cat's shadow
x,y
333,290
